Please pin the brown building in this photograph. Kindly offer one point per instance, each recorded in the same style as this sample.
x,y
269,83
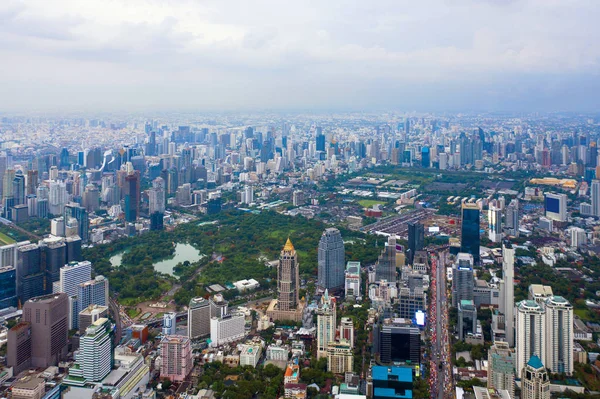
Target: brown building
x,y
18,353
287,306
48,316
29,387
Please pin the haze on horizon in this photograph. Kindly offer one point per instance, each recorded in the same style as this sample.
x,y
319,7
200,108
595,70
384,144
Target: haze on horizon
x,y
454,55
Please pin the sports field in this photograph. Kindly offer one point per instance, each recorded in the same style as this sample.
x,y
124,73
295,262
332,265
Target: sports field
x,y
4,239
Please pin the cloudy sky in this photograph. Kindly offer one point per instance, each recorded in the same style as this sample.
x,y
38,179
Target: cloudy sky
x,y
454,55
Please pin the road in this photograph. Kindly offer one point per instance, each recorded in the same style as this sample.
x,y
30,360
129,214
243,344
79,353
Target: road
x,y
115,310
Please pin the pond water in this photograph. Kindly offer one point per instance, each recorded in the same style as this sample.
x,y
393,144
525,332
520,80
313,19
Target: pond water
x,y
183,252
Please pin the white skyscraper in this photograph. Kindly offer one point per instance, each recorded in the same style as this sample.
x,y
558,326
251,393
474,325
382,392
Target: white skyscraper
x,y
495,223
169,324
578,237
198,318
74,274
556,206
326,323
559,335
595,193
507,292
93,362
531,333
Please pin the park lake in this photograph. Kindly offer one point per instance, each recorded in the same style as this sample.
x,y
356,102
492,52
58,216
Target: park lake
x,y
183,252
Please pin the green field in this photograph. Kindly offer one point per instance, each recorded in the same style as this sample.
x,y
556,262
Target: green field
x,y
366,203
5,240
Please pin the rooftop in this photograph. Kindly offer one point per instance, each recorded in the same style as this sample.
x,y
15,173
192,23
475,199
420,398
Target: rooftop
x,y
396,373
535,362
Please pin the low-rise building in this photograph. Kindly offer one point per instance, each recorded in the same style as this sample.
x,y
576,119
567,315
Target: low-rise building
x,y
250,355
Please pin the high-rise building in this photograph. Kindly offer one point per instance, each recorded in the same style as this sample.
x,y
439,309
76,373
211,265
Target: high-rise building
x,y
535,383
94,359
495,223
469,238
385,269
198,318
287,306
559,335
30,276
93,292
131,193
390,382
74,274
229,328
331,260
531,333
77,212
352,279
340,358
89,315
595,194
347,330
326,323
169,324
54,257
467,318
218,306
18,347
416,240
578,237
397,342
463,282
501,368
556,206
176,353
8,287
507,291
512,218
49,328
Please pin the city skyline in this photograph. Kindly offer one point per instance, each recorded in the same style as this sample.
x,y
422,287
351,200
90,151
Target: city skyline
x,y
156,55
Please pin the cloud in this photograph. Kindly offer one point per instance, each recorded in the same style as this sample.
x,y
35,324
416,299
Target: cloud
x,y
269,54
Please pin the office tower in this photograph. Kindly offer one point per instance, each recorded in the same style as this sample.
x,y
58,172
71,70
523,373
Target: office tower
x,y
531,333
18,190
91,198
176,353
347,330
390,382
556,206
462,279
512,218
326,323
57,197
495,223
397,342
169,324
156,203
74,211
467,319
72,275
198,318
469,237
30,276
595,194
535,383
287,306
416,239
48,316
559,335
54,256
410,301
507,291
218,306
89,315
331,260
501,368
18,349
73,249
8,287
425,157
131,192
94,359
320,140
340,358
32,182
93,292
385,269
578,237
352,279
229,328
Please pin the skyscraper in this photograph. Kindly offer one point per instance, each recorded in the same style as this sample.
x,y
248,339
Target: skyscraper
x,y
416,239
331,260
385,268
559,335
501,368
326,323
169,324
463,283
77,212
48,316
131,192
556,206
287,306
425,157
507,291
18,347
176,353
74,274
535,383
198,318
531,333
595,194
469,238
30,276
494,223
93,292
94,359
512,218
8,287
